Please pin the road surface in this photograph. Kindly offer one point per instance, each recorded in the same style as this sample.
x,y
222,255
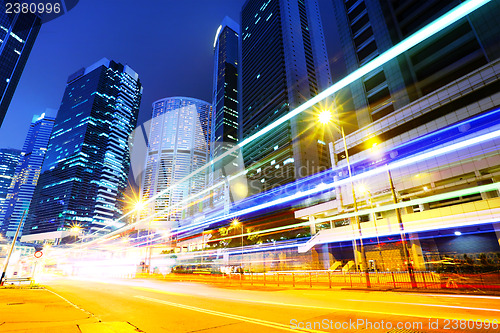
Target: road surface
x,y
159,306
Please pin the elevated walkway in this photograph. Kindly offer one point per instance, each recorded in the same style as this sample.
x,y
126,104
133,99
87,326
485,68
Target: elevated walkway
x,y
461,215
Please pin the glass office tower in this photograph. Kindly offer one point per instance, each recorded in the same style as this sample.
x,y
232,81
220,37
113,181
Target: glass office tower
x,y
284,63
8,163
178,145
224,127
87,161
18,33
17,36
368,28
27,173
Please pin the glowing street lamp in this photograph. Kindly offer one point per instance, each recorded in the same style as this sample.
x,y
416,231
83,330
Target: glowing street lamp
x,y
325,117
139,205
75,231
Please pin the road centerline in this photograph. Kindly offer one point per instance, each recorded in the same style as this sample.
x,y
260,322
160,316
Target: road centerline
x,y
232,316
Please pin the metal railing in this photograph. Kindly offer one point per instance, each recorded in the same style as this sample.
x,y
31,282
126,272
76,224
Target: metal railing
x,y
331,279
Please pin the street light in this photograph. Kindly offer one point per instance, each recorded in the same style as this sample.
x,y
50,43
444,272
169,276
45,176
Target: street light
x,y
325,117
139,207
75,230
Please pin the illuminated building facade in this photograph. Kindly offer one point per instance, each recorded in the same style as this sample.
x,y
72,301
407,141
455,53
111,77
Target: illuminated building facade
x,y
178,145
9,159
283,63
442,93
86,166
368,28
224,124
17,35
26,174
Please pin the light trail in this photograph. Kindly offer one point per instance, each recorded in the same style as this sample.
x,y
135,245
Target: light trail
x,y
429,305
429,30
323,186
356,309
398,164
347,235
408,161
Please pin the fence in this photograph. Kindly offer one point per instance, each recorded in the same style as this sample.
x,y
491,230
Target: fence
x,y
329,279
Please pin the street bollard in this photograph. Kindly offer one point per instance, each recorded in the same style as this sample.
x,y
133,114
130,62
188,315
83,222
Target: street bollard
x,y
310,280
330,280
293,279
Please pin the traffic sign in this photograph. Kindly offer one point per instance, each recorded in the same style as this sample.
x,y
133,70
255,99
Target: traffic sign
x,y
38,254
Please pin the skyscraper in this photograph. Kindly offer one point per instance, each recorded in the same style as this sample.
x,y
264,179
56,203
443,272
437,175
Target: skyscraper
x,y
284,63
224,124
178,145
86,166
17,34
27,173
8,163
368,28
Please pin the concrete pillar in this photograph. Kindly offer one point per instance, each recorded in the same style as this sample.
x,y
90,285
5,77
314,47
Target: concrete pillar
x,y
324,256
416,253
312,225
358,258
490,194
496,226
424,206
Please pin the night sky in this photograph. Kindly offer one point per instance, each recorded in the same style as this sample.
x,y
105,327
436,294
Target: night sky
x,y
168,43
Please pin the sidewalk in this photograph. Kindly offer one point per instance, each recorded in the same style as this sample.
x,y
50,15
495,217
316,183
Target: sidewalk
x,y
39,310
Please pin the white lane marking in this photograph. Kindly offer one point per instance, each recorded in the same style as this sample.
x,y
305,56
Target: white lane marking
x,y
459,296
432,305
228,315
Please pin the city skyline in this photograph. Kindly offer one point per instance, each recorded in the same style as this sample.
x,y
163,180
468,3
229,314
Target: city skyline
x,y
49,55
27,173
361,191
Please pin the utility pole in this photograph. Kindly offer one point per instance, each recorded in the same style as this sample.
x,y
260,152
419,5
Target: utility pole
x,y
406,252
11,249
356,217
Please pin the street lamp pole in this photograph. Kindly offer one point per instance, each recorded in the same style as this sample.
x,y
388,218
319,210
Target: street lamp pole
x,y
375,225
235,223
2,278
242,246
406,252
356,216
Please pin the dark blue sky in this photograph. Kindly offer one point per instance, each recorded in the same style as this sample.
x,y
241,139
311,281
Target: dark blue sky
x,y
168,43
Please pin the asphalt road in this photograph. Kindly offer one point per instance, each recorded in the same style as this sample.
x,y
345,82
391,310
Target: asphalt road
x,y
159,306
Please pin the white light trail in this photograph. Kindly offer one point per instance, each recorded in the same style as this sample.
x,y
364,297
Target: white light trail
x,y
434,27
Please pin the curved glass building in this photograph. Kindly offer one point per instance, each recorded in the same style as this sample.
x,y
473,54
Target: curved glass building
x,y
179,140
